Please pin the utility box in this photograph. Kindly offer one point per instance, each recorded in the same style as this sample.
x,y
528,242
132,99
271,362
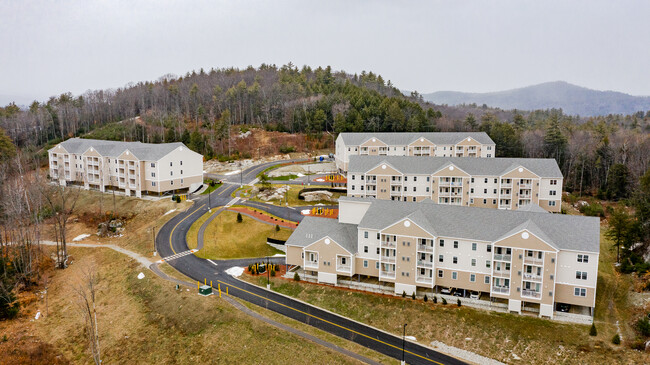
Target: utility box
x,y
205,290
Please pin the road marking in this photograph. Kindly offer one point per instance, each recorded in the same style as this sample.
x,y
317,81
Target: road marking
x,y
178,255
333,324
212,262
173,229
232,202
255,181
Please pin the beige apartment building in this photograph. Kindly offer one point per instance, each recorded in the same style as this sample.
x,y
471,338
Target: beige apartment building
x,y
435,144
523,259
503,183
132,167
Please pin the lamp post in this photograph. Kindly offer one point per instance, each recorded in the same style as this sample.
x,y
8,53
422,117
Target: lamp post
x,y
403,343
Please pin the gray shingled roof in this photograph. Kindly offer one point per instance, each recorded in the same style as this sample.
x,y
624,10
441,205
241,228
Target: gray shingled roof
x,y
143,151
395,139
544,167
484,224
312,229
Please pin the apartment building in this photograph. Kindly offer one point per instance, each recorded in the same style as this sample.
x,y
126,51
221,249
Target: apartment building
x,y
448,144
504,183
524,258
132,167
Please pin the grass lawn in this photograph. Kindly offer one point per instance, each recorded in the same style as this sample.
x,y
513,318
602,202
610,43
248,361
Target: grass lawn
x,y
145,322
227,239
283,177
211,188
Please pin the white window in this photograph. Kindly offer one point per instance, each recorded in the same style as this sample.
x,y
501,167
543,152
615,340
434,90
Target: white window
x,y
580,292
472,277
551,203
485,190
487,279
441,258
454,275
489,248
473,262
442,243
342,260
365,263
153,183
365,249
489,155
581,275
352,177
553,182
583,258
488,263
552,192
153,164
489,149
455,244
365,234
455,260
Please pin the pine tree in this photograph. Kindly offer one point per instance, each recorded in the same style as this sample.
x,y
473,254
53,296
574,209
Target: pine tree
x,y
239,218
592,330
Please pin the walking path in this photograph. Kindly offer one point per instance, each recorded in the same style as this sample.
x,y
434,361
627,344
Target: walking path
x,y
156,270
261,217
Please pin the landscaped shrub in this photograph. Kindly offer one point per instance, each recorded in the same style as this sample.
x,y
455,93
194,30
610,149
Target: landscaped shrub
x,y
272,272
593,210
616,340
403,294
277,228
296,277
413,296
444,301
287,149
239,218
425,298
458,302
435,299
592,330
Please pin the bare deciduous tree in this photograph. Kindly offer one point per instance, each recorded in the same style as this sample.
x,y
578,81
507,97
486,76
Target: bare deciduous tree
x,y
87,303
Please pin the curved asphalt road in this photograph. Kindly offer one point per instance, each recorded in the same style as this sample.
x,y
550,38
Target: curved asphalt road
x,y
171,240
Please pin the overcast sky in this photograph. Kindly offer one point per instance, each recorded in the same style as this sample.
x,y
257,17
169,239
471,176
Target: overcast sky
x,y
50,47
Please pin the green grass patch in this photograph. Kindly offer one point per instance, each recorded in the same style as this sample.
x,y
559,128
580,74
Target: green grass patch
x,y
211,188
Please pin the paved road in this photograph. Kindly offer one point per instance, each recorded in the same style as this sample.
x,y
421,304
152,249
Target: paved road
x,y
171,240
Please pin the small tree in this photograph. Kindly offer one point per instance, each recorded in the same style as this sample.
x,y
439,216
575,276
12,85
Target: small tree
x,y
277,228
413,295
458,302
444,301
425,298
272,272
435,299
592,330
617,339
403,294
296,277
239,218
643,326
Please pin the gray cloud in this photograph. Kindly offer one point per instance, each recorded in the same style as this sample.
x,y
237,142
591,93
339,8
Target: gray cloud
x,y
52,47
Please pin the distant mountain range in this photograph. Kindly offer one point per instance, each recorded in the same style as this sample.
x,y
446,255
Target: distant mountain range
x,y
559,94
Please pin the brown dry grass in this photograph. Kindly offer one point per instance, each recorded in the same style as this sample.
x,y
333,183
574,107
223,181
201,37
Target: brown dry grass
x,y
146,321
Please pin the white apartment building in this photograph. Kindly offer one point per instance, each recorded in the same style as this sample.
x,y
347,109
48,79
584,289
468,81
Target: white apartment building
x,y
503,183
441,144
523,258
132,167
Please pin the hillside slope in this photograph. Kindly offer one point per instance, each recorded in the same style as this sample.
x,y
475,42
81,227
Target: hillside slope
x,y
572,99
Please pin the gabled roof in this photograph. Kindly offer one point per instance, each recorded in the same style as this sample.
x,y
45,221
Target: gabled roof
x,y
312,229
484,224
543,167
398,139
143,151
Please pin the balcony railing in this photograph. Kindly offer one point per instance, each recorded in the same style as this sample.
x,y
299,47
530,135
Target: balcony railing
x,y
387,274
311,264
388,244
445,183
502,273
133,186
388,259
499,257
506,185
425,248
533,261
525,196
525,186
424,279
424,263
501,289
532,277
531,294
344,268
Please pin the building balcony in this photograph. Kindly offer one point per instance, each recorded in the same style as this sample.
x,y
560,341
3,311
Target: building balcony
x,y
427,264
311,264
499,257
387,259
533,261
444,183
424,279
386,274
501,289
531,294
532,277
525,186
525,196
501,273
388,244
132,186
344,268
444,193
425,248
506,185
396,182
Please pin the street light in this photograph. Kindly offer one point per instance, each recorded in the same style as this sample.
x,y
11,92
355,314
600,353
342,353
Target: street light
x,y
403,342
268,274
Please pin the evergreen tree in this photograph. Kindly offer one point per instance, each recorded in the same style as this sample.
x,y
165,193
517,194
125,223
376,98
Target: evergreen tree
x,y
471,122
239,218
555,141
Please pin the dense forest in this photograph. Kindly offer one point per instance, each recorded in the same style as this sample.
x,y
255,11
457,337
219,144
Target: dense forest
x,y
600,155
